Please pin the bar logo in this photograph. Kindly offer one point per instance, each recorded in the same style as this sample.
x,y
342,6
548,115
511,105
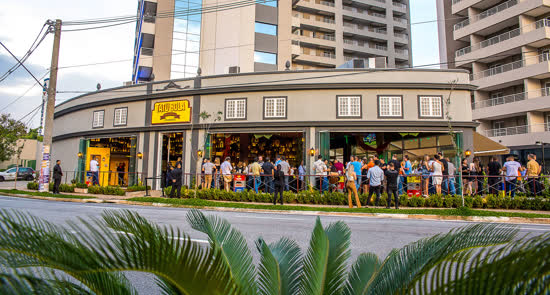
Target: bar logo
x,y
171,112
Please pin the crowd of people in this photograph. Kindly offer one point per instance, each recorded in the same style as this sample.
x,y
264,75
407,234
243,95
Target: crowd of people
x,y
371,176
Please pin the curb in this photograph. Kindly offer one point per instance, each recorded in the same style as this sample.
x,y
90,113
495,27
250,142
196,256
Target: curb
x,y
503,219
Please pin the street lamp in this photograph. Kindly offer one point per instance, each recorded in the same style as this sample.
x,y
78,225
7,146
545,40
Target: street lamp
x,y
199,153
312,152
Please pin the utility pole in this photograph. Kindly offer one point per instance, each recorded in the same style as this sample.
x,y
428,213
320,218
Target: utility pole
x,y
44,182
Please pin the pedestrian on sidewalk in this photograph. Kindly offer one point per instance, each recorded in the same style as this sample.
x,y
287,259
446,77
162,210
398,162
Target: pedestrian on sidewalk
x,y
268,168
285,167
208,168
512,169
279,184
226,172
392,176
94,168
120,171
437,168
351,176
533,169
176,181
375,176
493,170
57,174
451,180
255,171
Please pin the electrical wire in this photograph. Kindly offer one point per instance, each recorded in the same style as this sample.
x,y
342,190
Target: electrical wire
x,y
37,107
23,95
20,62
21,65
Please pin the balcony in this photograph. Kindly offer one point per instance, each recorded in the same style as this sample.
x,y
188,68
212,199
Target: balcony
x,y
536,34
511,105
322,58
520,135
402,52
325,23
400,21
323,40
321,6
365,47
367,31
509,74
485,14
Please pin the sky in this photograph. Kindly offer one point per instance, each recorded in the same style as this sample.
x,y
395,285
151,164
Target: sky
x,y
21,21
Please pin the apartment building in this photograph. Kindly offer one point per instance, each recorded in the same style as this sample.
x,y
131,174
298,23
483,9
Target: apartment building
x,y
506,47
221,37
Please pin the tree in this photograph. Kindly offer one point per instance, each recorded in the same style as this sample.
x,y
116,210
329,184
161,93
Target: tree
x,y
10,131
475,259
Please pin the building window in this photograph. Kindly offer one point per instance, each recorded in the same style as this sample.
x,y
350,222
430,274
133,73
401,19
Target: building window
x,y
390,106
97,121
264,57
274,107
265,29
121,116
235,109
430,107
272,3
349,106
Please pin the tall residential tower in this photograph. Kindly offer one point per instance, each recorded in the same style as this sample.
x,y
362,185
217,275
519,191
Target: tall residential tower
x,y
176,37
505,45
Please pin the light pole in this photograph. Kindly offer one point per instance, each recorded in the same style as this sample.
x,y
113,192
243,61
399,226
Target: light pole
x,y
543,159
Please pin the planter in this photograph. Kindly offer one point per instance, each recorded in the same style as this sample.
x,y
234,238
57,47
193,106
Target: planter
x,y
81,190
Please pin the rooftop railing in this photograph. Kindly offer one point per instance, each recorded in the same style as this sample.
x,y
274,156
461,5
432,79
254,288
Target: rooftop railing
x,y
491,11
499,100
515,130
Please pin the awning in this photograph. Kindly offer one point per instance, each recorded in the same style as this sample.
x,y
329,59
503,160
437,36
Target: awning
x,y
484,146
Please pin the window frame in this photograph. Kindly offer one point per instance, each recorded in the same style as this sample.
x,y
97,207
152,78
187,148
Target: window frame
x,y
114,117
420,116
245,109
360,116
102,121
265,52
378,97
267,24
274,118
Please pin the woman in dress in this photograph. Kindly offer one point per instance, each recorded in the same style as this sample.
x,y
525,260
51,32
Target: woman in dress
x,y
437,168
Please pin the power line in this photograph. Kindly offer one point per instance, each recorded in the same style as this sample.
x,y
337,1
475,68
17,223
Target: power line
x,y
23,95
22,118
25,57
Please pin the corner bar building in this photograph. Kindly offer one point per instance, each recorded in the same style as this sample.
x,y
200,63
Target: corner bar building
x,y
337,113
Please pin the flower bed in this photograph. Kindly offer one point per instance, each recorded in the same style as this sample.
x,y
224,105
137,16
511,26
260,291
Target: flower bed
x,y
337,198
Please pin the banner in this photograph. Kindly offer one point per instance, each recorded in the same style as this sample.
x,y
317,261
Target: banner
x,y
170,112
44,179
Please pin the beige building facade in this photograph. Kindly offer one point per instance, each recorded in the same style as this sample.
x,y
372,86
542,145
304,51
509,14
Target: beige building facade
x,y
506,47
298,114
173,40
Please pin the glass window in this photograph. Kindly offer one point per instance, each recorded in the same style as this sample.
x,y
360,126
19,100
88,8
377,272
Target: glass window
x,y
275,107
12,170
264,57
349,106
390,106
98,119
121,116
266,29
431,106
235,109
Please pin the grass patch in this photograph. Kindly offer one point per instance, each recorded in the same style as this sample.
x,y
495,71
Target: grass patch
x,y
49,195
463,211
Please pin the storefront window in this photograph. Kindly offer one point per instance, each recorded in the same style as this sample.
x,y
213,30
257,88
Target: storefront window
x,y
116,159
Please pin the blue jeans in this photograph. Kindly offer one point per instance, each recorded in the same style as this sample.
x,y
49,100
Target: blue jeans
x,y
95,178
268,183
254,182
286,183
325,183
511,187
452,188
400,181
444,186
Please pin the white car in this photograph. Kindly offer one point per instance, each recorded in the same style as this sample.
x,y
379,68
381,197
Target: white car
x,y
25,173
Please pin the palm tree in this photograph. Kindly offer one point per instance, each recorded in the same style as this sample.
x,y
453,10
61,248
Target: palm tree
x,y
38,257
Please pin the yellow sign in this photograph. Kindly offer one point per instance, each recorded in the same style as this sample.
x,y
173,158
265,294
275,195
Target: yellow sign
x,y
170,112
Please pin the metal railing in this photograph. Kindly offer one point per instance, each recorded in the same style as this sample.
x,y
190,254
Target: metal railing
x,y
401,35
400,5
401,51
456,1
378,47
400,20
328,20
104,178
502,37
327,3
377,14
510,66
486,13
515,130
499,100
329,55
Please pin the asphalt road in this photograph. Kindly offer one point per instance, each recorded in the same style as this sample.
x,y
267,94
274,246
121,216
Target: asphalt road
x,y
10,184
378,235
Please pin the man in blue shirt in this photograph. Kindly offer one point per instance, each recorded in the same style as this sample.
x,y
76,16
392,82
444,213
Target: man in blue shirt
x,y
357,169
375,176
407,169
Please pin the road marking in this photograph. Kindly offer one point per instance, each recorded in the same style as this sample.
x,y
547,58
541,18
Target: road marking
x,y
97,206
267,217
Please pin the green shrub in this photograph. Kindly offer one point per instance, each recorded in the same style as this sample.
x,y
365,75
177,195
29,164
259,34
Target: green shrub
x,y
81,185
106,190
32,185
137,188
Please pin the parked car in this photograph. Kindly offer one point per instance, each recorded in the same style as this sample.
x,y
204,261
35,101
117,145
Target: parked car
x,y
25,173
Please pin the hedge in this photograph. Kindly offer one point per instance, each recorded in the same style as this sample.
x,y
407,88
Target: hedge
x,y
100,190
137,188
338,198
64,188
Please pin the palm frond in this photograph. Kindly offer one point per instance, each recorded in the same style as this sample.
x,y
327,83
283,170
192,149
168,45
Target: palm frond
x,y
362,271
315,262
27,241
338,235
232,245
402,269
280,267
522,267
17,284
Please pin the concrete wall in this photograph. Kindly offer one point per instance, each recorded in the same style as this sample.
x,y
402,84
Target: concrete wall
x,y
66,151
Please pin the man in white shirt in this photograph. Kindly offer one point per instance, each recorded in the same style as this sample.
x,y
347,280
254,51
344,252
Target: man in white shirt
x,y
320,169
285,167
94,168
226,172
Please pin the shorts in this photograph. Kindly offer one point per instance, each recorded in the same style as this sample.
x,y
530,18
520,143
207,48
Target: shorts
x,y
227,178
437,180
